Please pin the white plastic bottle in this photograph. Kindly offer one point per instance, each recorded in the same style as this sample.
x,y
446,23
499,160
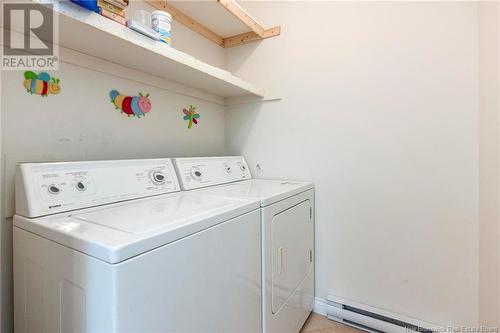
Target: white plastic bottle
x,y
161,22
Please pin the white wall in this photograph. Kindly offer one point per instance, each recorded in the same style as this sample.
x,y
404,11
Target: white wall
x,y
380,110
81,124
489,172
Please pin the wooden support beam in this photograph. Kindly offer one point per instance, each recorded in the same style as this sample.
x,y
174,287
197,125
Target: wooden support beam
x,y
187,21
250,37
243,16
257,33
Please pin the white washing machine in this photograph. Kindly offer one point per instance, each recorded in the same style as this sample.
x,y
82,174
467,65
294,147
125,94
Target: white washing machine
x,y
113,246
287,217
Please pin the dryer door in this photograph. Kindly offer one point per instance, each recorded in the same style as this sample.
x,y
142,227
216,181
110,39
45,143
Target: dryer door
x,y
291,251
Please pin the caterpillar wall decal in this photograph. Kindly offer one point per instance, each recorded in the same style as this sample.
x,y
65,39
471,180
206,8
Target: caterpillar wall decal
x,y
41,84
131,105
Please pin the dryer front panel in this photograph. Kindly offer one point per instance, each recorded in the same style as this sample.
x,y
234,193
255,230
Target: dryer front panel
x,y
288,263
291,243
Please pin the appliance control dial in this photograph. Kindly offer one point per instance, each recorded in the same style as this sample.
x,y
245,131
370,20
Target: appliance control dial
x,y
158,177
80,186
243,167
196,173
53,189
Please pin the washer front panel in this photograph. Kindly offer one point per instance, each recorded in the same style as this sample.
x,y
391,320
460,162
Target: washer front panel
x,y
47,188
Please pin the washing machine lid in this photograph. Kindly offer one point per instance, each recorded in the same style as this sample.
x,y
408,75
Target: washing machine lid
x,y
267,191
116,232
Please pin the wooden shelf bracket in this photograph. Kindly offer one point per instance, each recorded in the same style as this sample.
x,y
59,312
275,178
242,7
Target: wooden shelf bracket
x,y
257,31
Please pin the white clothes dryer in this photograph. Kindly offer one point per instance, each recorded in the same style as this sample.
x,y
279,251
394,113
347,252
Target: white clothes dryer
x,y
287,225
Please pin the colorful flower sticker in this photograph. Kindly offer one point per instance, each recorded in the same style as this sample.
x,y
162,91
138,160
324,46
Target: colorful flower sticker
x,y
191,115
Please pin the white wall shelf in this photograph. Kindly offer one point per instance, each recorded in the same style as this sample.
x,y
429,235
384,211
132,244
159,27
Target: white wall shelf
x,y
87,32
223,22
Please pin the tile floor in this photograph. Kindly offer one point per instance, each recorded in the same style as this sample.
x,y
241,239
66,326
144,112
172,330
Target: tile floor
x,y
320,324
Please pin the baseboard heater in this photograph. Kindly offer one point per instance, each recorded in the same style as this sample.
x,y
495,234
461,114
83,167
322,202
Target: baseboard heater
x,y
367,318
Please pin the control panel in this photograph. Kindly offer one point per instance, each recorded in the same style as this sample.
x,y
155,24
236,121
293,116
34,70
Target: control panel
x,y
198,172
47,188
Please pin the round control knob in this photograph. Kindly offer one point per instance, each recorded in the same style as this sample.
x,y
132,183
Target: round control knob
x,y
158,178
80,186
196,173
54,189
243,167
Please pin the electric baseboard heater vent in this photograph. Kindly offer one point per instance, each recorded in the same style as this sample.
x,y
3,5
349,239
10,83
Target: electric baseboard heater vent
x,y
371,321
